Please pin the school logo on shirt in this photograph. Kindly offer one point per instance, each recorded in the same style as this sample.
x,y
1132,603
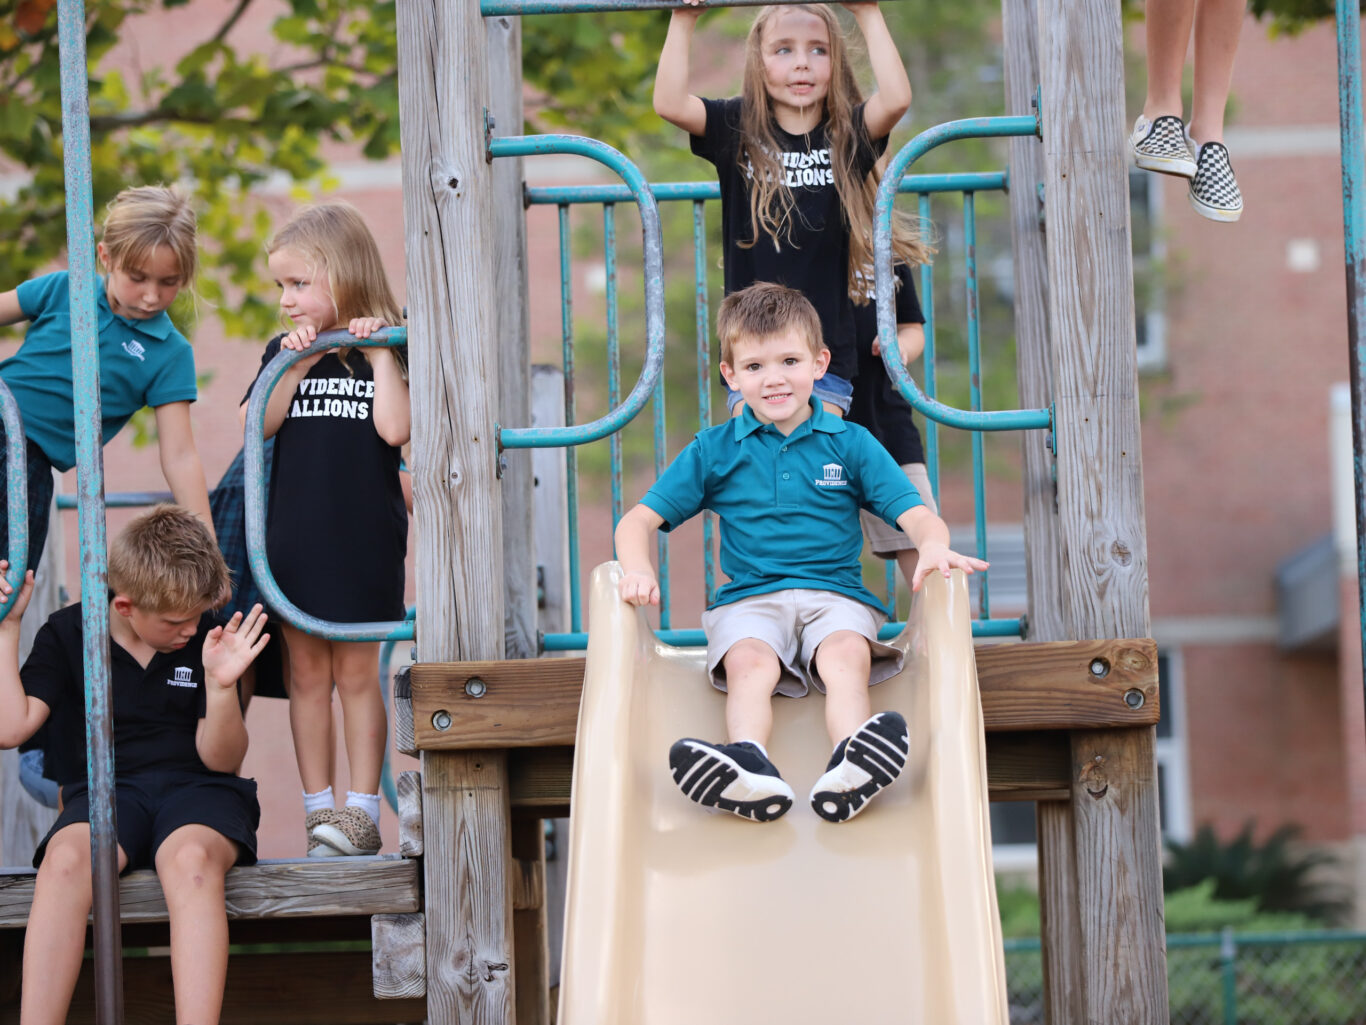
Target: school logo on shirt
x,y
834,477
182,677
135,349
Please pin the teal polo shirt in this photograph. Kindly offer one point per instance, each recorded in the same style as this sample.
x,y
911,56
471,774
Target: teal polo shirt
x,y
788,505
142,363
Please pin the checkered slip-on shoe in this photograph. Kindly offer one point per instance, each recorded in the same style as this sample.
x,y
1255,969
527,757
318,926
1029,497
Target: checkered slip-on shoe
x,y
1214,191
730,777
352,832
1162,146
862,766
314,819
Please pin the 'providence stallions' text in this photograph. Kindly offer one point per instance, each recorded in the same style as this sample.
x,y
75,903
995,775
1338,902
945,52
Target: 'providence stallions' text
x,y
808,167
350,403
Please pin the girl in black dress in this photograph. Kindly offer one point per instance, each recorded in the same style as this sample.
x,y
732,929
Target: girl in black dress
x,y
336,529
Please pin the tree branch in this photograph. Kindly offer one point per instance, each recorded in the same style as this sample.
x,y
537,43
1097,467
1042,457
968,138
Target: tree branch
x,y
232,20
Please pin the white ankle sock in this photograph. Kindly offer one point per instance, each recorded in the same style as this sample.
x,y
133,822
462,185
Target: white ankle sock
x,y
369,802
316,802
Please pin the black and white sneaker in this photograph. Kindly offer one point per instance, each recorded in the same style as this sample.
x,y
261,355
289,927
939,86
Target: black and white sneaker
x,y
863,765
1162,145
1214,192
732,777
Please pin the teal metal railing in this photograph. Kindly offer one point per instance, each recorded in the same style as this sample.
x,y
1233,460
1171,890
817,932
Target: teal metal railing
x,y
925,186
255,487
16,496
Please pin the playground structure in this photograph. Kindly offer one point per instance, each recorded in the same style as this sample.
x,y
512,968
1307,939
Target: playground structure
x,y
1069,722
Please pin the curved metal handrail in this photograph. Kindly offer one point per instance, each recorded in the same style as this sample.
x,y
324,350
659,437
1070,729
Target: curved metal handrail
x,y
254,486
967,128
16,495
613,421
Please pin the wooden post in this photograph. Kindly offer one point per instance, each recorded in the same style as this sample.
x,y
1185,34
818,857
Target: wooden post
x,y
1034,356
448,215
513,340
1104,583
529,923
1059,925
552,558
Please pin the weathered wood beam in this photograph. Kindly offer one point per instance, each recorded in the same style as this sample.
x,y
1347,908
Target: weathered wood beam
x,y
466,827
1104,584
295,888
398,956
1032,686
530,940
1020,767
303,989
409,789
449,201
513,334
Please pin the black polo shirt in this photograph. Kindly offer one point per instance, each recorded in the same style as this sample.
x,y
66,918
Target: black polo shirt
x,y
156,710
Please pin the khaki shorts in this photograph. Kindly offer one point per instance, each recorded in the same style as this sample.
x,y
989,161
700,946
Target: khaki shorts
x,y
885,540
794,623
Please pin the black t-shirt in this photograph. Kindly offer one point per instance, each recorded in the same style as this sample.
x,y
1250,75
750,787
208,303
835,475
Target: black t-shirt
x,y
336,525
155,710
815,257
877,405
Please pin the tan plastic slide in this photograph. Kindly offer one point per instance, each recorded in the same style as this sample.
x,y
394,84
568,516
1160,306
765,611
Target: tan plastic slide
x,y
677,914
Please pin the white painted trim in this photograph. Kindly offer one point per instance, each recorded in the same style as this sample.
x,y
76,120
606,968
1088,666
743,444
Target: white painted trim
x,y
1172,751
1272,141
1175,631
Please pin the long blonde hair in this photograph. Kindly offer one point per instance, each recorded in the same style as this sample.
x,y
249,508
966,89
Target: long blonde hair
x,y
334,239
771,203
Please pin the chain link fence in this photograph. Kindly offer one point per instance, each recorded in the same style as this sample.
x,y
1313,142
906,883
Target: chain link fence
x,y
1313,978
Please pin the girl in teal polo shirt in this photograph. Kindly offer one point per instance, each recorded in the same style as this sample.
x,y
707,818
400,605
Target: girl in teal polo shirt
x,y
149,253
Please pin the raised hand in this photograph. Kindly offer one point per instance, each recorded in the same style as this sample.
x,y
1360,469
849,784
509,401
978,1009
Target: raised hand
x,y
229,649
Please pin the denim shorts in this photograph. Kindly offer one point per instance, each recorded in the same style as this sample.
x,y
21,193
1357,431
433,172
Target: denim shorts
x,y
834,390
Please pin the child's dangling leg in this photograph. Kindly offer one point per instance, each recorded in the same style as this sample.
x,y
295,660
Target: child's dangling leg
x,y
870,750
738,777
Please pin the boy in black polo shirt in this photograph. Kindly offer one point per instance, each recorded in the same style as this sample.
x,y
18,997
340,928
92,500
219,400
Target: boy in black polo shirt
x,y
787,480
178,742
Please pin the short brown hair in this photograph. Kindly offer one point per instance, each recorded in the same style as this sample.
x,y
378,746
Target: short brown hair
x,y
167,561
763,310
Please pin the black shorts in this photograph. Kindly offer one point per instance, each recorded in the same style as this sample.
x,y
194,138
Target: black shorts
x,y
152,806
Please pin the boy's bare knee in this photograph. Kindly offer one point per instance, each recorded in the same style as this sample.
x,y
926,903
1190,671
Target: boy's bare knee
x,y
191,860
843,645
67,858
750,656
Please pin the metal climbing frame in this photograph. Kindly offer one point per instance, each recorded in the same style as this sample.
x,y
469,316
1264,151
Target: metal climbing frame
x,y
698,194
16,496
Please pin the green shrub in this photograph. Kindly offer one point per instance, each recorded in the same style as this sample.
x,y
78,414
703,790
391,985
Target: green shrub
x,y
1273,874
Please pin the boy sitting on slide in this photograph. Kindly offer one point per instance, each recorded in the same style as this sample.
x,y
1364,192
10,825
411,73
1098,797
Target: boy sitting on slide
x,y
787,480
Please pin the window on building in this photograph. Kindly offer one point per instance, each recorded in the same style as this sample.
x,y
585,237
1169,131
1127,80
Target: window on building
x,y
1145,216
